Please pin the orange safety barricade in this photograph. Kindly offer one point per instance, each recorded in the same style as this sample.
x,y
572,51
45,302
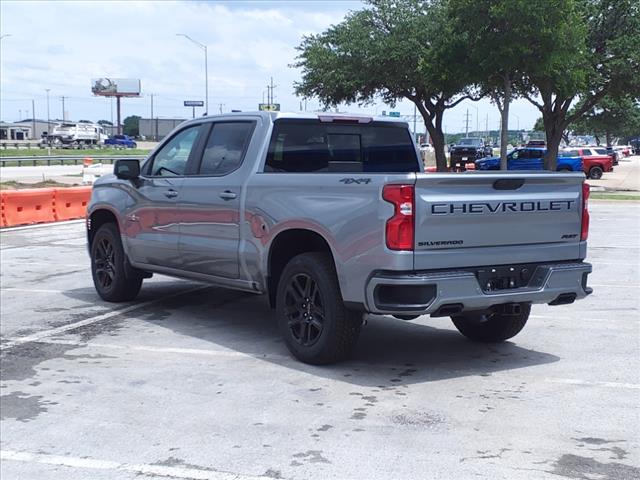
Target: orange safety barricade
x,y
3,221
71,202
87,161
32,205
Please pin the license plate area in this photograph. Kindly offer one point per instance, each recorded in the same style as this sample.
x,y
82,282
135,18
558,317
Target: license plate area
x,y
504,277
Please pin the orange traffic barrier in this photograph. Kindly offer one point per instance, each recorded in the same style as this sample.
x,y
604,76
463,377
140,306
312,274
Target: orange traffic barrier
x,y
71,202
32,205
3,221
87,161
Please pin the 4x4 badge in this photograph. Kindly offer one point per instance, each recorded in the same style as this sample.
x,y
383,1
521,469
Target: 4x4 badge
x,y
348,181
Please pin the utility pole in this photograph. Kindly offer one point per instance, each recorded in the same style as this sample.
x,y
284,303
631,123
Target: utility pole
x,y
486,127
415,112
270,88
33,118
63,99
221,105
19,114
466,123
151,119
48,116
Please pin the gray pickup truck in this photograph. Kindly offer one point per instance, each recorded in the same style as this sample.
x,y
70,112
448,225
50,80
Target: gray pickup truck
x,y
332,218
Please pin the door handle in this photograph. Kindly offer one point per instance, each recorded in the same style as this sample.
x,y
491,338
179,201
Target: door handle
x,y
171,194
228,195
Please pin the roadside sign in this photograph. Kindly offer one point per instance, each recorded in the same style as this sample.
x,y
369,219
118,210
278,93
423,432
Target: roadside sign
x,y
394,114
269,107
193,103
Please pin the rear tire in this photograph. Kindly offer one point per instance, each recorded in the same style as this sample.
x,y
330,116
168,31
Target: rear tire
x,y
491,328
595,173
112,279
317,327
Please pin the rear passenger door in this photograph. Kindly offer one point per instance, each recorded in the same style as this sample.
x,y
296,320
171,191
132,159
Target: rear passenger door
x,y
210,201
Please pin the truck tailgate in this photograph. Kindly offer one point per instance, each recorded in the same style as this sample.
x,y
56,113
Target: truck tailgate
x,y
495,218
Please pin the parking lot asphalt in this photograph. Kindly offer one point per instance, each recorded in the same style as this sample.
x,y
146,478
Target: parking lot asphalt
x,y
194,382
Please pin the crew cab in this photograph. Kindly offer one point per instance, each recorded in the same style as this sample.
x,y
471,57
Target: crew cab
x,y
595,160
468,150
331,218
530,159
121,141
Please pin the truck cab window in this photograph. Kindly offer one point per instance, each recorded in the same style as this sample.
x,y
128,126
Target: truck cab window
x,y
171,159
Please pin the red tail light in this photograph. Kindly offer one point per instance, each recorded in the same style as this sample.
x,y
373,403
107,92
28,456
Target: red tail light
x,y
584,231
400,227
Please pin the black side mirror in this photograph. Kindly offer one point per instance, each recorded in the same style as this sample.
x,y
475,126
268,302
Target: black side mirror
x,y
127,168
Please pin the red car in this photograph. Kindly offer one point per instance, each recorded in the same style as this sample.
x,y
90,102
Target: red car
x,y
595,160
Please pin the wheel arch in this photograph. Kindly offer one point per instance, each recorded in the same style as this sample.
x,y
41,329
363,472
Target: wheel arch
x,y
96,219
286,245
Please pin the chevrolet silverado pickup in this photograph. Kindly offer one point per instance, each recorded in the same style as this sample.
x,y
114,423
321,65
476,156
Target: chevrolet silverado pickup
x,y
331,217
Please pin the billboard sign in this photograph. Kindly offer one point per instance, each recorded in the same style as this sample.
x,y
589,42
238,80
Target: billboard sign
x,y
115,87
269,107
193,103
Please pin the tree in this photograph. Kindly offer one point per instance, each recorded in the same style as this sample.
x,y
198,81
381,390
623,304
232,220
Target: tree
x,y
392,49
539,125
596,53
130,125
105,123
610,117
506,38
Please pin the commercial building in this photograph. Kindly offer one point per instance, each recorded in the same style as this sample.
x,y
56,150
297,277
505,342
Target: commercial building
x,y
158,128
15,131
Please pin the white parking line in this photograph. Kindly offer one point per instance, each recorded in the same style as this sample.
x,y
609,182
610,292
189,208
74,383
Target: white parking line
x,y
42,225
588,383
29,290
145,469
55,331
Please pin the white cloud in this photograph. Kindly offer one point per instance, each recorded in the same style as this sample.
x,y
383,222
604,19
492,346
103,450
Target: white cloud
x,y
62,45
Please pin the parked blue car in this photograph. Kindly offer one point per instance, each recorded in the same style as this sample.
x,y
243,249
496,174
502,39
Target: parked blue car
x,y
121,141
530,159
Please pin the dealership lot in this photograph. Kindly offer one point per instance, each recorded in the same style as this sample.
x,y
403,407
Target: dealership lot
x,y
192,381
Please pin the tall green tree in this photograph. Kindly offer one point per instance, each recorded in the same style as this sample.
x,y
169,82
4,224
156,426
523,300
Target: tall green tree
x,y
596,54
609,118
392,49
506,38
131,125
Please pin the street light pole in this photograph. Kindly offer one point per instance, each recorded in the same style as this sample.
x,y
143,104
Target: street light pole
x,y
206,68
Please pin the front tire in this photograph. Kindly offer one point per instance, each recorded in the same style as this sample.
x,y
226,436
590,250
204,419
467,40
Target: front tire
x,y
113,281
317,327
492,328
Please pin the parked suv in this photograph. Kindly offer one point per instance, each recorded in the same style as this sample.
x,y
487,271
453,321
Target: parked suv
x,y
331,217
468,150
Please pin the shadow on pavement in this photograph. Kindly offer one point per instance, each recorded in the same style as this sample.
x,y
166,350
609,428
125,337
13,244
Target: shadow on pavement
x,y
390,352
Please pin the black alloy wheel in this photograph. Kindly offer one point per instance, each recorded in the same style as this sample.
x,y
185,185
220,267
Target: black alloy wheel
x,y
304,309
104,258
113,278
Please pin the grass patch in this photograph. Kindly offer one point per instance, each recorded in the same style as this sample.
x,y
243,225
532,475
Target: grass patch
x,y
613,196
13,185
43,152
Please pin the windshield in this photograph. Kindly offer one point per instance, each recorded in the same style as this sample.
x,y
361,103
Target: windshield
x,y
476,142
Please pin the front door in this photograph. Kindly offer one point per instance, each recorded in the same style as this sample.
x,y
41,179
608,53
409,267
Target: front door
x,y
210,202
152,219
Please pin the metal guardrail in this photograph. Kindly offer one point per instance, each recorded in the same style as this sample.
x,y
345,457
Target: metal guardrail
x,y
64,159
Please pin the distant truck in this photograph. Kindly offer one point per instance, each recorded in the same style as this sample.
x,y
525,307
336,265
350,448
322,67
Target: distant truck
x,y
77,134
121,141
529,158
468,150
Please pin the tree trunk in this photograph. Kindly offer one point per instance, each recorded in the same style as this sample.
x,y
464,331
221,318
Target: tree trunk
x,y
608,138
437,139
504,127
554,130
433,123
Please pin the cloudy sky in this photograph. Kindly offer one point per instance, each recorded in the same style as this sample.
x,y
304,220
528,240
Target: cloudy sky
x,y
63,45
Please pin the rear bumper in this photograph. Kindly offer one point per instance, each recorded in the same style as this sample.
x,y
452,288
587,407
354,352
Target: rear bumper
x,y
442,292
